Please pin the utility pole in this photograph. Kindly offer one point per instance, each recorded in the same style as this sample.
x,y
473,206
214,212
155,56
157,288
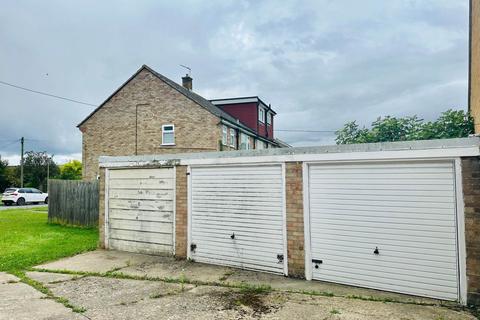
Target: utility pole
x,y
21,162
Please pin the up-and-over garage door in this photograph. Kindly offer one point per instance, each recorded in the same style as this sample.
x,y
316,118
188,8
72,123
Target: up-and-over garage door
x,y
140,210
385,225
237,216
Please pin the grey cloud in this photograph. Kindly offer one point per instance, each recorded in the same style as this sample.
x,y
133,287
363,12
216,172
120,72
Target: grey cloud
x,y
320,63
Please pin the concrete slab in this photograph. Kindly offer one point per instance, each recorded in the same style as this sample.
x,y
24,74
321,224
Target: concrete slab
x,y
108,298
47,277
141,265
99,261
20,301
7,278
169,268
299,285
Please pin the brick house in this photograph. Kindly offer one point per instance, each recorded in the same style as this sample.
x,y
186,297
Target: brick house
x,y
151,114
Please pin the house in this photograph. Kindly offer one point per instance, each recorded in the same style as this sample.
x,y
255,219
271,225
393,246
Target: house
x,y
151,114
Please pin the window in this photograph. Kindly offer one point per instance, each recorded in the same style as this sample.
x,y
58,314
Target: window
x,y
261,114
269,118
233,138
36,190
224,135
260,145
168,135
243,142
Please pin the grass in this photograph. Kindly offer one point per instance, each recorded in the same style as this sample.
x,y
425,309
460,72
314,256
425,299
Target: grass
x,y
26,239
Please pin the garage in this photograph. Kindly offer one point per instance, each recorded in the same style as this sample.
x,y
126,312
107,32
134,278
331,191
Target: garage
x,y
387,225
237,217
140,210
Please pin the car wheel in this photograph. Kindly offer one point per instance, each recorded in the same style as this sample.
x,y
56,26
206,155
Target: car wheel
x,y
20,202
46,200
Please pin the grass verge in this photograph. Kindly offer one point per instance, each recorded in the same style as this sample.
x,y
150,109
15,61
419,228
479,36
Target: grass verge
x,y
26,240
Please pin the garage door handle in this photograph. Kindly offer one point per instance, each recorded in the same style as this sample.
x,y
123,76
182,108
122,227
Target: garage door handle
x,y
232,236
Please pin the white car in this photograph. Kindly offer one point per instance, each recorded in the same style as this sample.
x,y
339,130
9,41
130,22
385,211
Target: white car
x,y
21,196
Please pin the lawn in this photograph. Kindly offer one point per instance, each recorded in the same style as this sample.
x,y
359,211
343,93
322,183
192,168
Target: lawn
x,y
26,239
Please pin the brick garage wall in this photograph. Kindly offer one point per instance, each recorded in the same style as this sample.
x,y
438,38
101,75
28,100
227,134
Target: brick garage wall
x,y
101,209
471,198
181,212
151,103
294,206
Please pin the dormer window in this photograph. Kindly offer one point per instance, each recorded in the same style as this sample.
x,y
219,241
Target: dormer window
x,y
261,114
269,118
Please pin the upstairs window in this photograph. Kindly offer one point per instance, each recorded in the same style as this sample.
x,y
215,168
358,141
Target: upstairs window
x,y
224,135
269,118
233,138
168,135
261,115
243,142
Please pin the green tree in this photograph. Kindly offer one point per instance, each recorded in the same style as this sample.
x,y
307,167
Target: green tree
x,y
450,124
35,168
71,170
4,182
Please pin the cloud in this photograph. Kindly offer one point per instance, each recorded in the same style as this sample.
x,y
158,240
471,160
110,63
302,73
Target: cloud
x,y
319,63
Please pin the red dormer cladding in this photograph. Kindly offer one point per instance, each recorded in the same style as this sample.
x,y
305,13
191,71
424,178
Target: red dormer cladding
x,y
252,112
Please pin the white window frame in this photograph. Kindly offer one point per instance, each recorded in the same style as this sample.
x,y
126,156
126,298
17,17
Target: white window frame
x,y
269,118
224,135
233,137
169,131
243,139
261,114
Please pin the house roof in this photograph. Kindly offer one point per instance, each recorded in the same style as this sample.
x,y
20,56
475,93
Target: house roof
x,y
189,94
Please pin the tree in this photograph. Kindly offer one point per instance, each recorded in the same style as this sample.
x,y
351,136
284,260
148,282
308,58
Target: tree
x,y
71,170
4,182
35,169
450,124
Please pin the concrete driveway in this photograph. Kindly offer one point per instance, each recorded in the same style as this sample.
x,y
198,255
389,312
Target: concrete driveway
x,y
119,285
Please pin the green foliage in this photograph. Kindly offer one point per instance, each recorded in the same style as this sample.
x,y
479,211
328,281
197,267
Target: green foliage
x,y
450,124
4,183
71,170
27,240
35,169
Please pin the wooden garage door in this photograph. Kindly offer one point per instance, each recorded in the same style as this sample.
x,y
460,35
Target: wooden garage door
x,y
237,216
388,226
140,210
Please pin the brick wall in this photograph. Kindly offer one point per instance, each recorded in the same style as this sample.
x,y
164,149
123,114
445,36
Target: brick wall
x,y
295,234
471,197
181,212
134,117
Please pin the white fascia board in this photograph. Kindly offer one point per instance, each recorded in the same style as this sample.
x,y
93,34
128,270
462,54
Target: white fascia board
x,y
234,101
310,157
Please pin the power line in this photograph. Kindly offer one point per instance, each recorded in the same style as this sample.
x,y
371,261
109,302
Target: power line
x,y
46,94
9,143
319,131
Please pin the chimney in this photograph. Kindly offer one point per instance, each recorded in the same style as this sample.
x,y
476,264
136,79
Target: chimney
x,y
474,64
187,82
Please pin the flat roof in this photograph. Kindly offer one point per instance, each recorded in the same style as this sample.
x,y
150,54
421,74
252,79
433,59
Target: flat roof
x,y
385,150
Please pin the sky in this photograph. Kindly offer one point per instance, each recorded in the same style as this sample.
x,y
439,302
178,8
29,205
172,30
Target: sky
x,y
318,63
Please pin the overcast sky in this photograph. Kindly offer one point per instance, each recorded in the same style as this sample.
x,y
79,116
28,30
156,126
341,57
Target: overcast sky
x,y
319,63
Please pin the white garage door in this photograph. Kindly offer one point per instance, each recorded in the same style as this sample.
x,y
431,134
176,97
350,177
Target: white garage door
x,y
388,226
140,210
237,216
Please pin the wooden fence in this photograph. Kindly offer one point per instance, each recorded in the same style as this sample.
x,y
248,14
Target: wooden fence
x,y
73,202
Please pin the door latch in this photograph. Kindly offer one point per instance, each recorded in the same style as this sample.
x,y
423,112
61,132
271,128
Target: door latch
x,y
317,262
376,251
232,236
280,258
193,247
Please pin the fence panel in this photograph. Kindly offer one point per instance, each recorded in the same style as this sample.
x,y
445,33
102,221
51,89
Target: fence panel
x,y
73,202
